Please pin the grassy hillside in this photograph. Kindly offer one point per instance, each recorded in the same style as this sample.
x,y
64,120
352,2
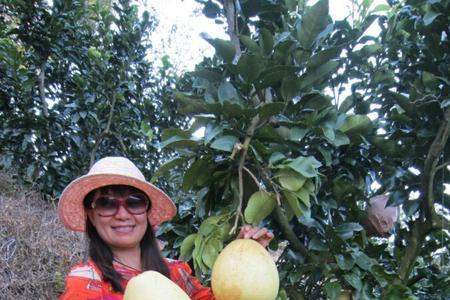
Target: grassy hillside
x,y
35,250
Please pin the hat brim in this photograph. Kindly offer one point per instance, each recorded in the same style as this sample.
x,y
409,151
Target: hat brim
x,y
72,213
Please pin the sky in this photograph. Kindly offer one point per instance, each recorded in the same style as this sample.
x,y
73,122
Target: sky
x,y
181,22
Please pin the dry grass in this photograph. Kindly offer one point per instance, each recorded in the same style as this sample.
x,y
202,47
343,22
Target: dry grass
x,y
35,250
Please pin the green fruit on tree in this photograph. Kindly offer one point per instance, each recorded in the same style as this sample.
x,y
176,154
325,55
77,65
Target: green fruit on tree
x,y
244,270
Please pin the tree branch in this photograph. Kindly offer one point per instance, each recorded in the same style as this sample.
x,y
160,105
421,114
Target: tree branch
x,y
41,80
104,132
430,165
252,176
289,234
430,221
248,138
230,10
447,163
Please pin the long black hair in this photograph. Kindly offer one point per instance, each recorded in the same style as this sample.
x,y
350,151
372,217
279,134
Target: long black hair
x,y
102,255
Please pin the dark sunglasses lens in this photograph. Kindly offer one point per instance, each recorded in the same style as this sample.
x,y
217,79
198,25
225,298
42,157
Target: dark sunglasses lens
x,y
137,203
106,206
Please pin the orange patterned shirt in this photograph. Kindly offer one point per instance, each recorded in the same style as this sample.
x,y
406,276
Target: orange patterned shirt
x,y
84,282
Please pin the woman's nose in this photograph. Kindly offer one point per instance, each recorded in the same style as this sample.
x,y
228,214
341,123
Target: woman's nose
x,y
122,212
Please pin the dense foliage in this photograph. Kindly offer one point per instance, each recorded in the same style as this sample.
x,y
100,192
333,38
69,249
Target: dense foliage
x,y
281,148
75,85
295,124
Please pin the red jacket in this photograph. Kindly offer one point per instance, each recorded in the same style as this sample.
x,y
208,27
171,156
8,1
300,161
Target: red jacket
x,y
84,282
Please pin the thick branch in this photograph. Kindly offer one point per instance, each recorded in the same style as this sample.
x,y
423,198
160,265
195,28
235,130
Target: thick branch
x,y
104,132
430,165
41,80
289,234
230,10
431,221
414,243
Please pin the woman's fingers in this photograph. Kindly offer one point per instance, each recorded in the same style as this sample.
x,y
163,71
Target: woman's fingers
x,y
261,235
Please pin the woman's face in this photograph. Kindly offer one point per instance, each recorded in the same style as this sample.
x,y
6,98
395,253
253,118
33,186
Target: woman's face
x,y
124,229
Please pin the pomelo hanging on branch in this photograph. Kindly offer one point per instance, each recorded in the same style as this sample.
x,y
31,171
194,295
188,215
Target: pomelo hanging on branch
x,y
151,285
380,218
244,270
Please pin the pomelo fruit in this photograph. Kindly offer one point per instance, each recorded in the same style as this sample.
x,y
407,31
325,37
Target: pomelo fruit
x,y
151,285
244,270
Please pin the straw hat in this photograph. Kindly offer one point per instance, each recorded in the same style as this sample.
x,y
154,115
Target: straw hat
x,y
111,171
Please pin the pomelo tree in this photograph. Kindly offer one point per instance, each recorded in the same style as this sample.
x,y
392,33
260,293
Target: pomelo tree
x,y
299,121
75,85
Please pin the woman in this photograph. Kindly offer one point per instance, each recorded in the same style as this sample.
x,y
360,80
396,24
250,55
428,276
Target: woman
x,y
118,208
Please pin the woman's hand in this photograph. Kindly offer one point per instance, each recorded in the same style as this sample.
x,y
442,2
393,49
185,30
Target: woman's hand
x,y
261,235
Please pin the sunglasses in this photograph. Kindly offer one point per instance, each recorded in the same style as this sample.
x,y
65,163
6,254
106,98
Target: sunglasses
x,y
108,206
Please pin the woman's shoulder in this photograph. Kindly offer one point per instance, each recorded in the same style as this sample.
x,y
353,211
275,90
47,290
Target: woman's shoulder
x,y
86,270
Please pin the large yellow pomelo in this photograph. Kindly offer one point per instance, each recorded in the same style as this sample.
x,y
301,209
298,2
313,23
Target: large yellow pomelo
x,y
244,270
151,285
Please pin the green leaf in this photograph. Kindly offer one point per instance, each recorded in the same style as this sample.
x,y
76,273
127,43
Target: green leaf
x,y
346,104
167,166
307,166
190,105
404,102
309,186
178,142
209,74
445,103
146,130
271,76
290,179
329,133
317,244
250,66
344,262
318,74
356,123
293,202
270,109
296,134
346,230
276,157
266,41
354,280
289,88
340,139
211,9
381,8
224,49
250,44
211,251
225,143
323,57
362,260
303,195
192,173
429,17
313,22
227,92
211,131
187,246
259,206
332,289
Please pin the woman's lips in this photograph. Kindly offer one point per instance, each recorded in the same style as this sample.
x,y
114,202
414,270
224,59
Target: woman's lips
x,y
123,229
